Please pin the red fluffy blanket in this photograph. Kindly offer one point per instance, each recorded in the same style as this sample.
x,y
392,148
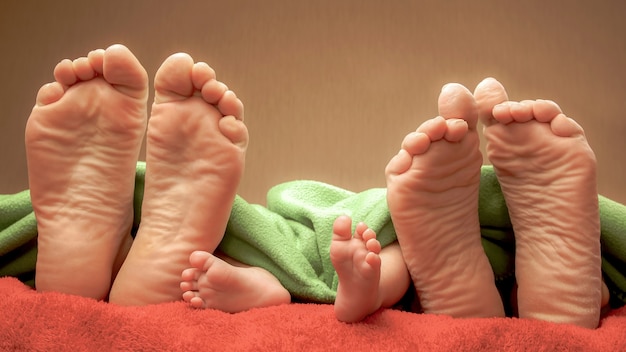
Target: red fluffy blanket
x,y
50,321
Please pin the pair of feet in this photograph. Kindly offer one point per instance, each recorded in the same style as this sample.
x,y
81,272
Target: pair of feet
x,y
547,172
83,139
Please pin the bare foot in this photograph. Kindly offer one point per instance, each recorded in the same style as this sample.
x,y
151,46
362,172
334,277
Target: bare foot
x,y
432,192
194,161
547,172
82,141
216,284
357,262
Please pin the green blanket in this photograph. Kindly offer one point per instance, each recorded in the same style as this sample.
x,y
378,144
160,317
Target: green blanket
x,y
291,236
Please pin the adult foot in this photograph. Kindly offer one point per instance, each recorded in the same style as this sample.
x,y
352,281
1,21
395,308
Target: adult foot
x,y
547,172
432,193
357,262
194,160
82,142
216,284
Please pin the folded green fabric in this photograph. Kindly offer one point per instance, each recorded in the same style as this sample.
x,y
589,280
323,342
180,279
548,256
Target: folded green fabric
x,y
18,237
290,236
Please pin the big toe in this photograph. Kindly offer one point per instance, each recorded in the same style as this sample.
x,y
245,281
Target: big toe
x,y
342,228
173,80
456,101
123,70
488,94
198,259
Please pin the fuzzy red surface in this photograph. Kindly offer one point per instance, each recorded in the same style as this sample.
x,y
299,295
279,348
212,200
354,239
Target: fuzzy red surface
x,y
35,321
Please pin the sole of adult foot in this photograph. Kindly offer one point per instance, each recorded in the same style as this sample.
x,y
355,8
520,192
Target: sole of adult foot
x,y
217,284
82,140
357,262
195,153
547,172
432,193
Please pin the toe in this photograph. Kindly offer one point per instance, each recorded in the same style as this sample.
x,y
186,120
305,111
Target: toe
x,y
373,260
201,73
172,81
512,111
83,70
189,286
361,229
96,60
488,94
50,93
235,130
521,112
123,70
435,128
229,104
564,126
190,274
606,295
373,245
197,302
546,110
64,73
213,91
456,101
501,113
341,228
456,130
399,163
368,234
200,259
416,143
189,295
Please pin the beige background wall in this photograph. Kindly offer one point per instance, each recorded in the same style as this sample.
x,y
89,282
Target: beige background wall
x,y
331,87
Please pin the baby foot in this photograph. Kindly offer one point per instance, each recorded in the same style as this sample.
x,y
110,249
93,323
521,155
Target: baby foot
x,y
82,141
432,193
547,172
194,160
216,284
357,262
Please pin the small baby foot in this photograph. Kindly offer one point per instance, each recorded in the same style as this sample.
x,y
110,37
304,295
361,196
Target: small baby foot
x,y
432,193
547,172
357,262
216,284
82,140
194,160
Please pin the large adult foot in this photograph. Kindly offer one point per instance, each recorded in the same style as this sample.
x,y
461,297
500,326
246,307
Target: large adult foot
x,y
432,193
216,284
547,172
357,262
194,160
82,141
